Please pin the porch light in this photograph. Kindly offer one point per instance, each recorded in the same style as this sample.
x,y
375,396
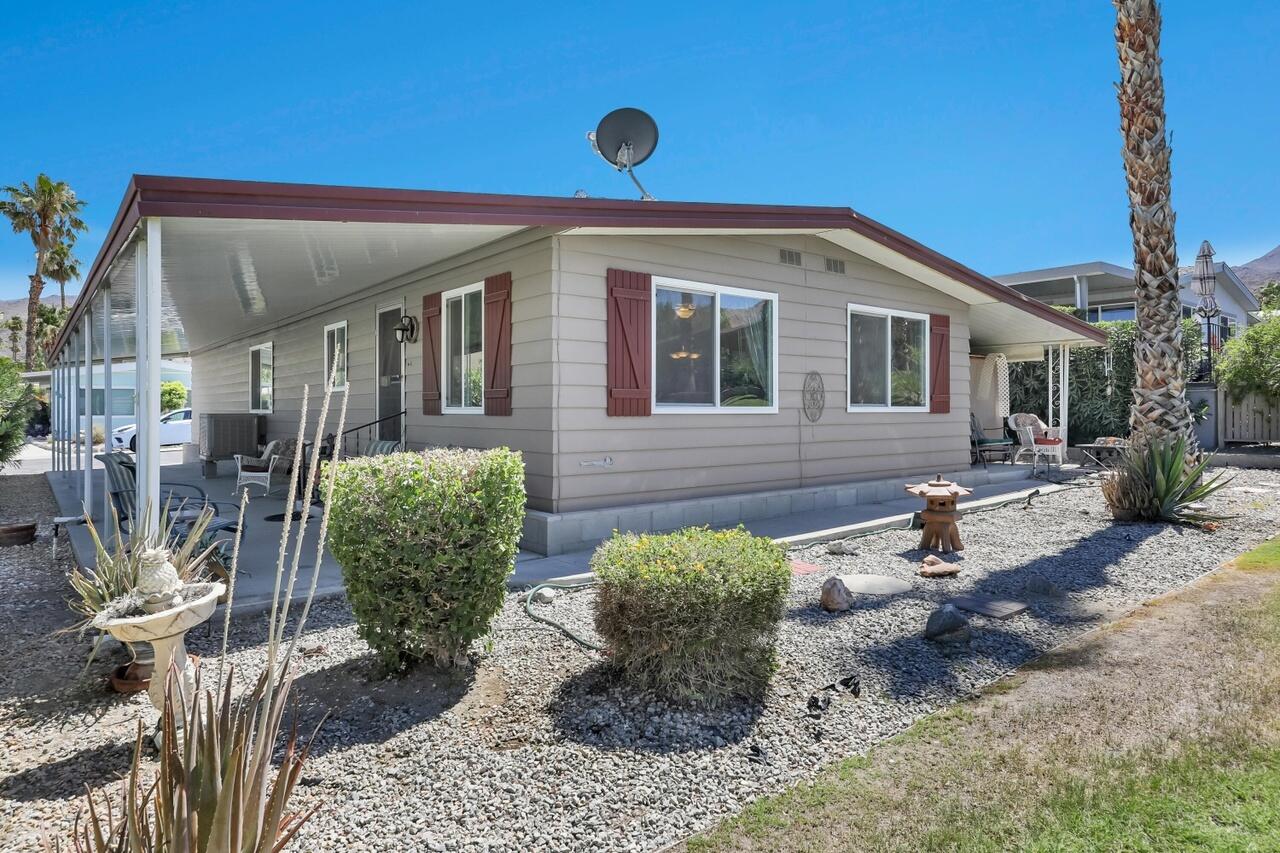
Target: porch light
x,y
406,330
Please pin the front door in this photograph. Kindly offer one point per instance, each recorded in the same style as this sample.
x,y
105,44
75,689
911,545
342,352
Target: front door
x,y
390,375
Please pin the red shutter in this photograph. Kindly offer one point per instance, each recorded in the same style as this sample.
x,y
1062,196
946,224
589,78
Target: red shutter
x,y
939,364
431,354
629,317
497,344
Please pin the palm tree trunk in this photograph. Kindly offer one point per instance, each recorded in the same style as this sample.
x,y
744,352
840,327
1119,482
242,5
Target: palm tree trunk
x,y
1160,407
33,313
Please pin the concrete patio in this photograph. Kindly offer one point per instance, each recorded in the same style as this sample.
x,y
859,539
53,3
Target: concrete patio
x,y
259,546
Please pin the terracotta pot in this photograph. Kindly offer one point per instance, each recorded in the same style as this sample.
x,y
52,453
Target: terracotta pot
x,y
22,533
135,677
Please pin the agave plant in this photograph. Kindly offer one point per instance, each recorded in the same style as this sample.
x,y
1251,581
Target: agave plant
x,y
1157,480
214,791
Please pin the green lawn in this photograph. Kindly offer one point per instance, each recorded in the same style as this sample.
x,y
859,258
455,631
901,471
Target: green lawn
x,y
974,788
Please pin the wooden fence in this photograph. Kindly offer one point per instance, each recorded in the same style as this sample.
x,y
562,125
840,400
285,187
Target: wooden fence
x,y
1254,419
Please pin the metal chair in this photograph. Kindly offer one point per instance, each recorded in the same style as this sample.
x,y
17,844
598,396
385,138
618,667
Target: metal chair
x,y
982,446
1039,439
382,447
122,483
276,460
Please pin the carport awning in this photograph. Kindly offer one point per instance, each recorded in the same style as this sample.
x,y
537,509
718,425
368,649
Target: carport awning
x,y
242,255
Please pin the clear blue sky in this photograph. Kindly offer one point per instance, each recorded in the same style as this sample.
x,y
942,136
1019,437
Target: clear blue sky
x,y
987,130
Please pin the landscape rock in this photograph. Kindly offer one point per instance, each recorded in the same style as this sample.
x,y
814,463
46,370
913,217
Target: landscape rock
x,y
934,566
842,547
946,625
835,595
1038,584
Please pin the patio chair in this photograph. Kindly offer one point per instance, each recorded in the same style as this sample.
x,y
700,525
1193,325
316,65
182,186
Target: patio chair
x,y
383,447
983,446
1038,439
183,502
275,462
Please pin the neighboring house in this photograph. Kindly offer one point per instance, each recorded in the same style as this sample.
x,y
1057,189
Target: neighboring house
x,y
1104,291
637,353
123,402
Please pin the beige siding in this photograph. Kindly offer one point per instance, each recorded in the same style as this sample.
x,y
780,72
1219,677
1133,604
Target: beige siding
x,y
667,455
221,375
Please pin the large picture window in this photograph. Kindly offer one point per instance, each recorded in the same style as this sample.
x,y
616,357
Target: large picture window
x,y
261,378
715,348
888,360
463,339
335,344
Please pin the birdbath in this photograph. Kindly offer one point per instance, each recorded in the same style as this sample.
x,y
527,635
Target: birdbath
x,y
161,611
939,515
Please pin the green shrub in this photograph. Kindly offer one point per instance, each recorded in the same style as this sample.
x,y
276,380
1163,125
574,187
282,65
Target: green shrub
x,y
426,542
17,401
692,615
1157,480
1251,362
1099,401
173,395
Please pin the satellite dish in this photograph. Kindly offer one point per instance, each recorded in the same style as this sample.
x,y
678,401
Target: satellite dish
x,y
625,138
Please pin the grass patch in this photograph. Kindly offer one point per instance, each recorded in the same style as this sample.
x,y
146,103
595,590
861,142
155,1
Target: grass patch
x,y
1265,557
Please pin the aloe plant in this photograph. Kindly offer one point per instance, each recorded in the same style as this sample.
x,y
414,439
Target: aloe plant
x,y
1157,480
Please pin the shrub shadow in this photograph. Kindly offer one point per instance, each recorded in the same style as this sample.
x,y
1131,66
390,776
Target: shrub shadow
x,y
66,778
595,707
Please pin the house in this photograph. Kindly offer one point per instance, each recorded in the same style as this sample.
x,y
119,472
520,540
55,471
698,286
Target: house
x,y
657,363
1102,291
124,404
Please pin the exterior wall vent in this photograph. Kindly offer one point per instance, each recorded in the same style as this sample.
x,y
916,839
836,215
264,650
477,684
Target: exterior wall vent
x,y
835,265
790,257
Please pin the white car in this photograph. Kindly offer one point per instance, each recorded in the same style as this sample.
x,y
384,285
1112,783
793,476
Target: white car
x,y
175,428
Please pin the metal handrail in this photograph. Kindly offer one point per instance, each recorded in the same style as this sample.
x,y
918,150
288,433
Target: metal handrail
x,y
368,428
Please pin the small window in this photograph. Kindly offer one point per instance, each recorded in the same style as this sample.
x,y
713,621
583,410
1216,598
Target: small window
x,y
1110,313
463,338
122,401
715,348
261,378
335,345
888,360
790,257
835,265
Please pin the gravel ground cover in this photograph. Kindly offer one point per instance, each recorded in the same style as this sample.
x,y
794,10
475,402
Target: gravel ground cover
x,y
536,748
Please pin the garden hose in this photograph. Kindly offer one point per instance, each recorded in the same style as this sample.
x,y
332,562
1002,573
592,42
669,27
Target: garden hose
x,y
912,523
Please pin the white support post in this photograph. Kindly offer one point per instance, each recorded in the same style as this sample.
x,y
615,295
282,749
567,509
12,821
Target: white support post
x,y
53,415
74,424
148,376
106,398
1048,385
1082,292
88,410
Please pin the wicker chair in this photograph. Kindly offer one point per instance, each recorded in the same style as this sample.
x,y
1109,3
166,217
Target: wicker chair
x,y
1038,439
274,464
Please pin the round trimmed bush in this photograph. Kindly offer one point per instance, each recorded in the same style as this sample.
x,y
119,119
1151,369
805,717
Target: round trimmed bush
x,y
426,542
692,615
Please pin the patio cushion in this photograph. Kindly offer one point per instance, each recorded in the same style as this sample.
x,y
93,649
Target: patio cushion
x,y
254,467
1042,439
994,442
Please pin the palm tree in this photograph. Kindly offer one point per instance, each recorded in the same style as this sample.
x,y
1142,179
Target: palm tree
x,y
49,213
62,267
15,326
1160,407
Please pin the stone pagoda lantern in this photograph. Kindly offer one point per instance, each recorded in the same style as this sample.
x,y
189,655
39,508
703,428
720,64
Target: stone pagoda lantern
x,y
940,514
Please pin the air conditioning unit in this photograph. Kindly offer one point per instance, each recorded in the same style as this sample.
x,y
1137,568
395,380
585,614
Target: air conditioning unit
x,y
223,435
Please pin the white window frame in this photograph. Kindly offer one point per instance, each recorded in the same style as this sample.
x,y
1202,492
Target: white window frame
x,y
715,290
888,314
346,355
268,345
445,337
1102,306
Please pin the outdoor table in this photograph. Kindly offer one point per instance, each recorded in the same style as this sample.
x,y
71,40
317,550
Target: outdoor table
x,y
1102,454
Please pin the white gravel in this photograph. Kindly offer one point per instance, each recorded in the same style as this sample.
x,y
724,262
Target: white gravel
x,y
536,748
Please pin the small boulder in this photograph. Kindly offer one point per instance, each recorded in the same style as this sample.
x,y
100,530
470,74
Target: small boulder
x,y
841,547
934,566
946,625
835,595
544,596
1038,584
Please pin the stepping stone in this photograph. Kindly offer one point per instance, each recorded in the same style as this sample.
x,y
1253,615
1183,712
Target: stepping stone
x,y
874,584
800,568
989,605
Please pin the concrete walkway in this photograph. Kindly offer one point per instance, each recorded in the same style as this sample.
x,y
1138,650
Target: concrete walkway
x,y
262,531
